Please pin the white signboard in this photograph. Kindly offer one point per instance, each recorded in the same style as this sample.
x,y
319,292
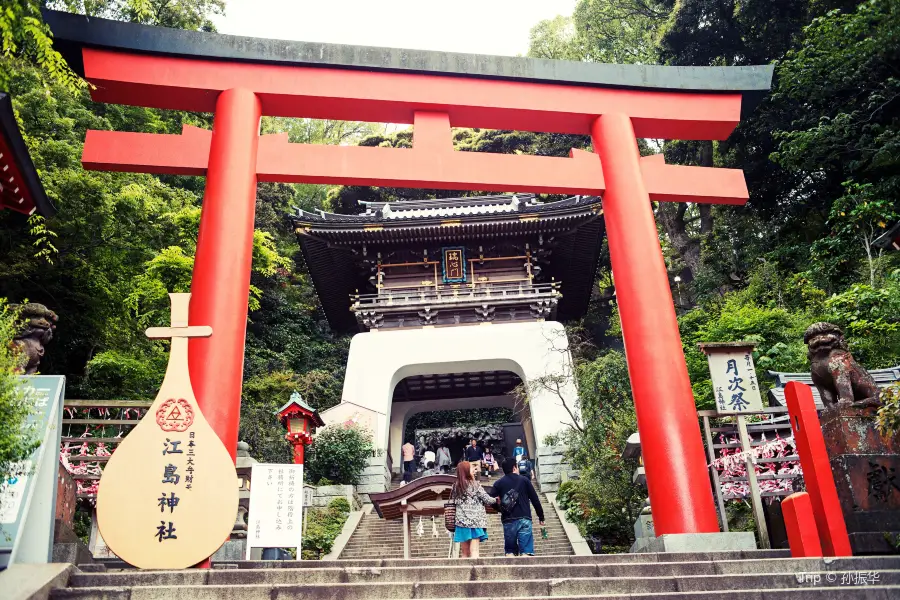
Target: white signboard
x,y
734,382
276,507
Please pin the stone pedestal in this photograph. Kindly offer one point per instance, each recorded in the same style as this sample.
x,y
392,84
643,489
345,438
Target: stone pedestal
x,y
644,534
551,469
866,470
326,493
375,478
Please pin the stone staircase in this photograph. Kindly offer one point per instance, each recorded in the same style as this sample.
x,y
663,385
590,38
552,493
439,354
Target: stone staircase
x,y
378,538
697,576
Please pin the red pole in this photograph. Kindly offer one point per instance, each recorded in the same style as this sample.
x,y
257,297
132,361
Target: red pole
x,y
817,473
220,287
677,478
298,454
800,523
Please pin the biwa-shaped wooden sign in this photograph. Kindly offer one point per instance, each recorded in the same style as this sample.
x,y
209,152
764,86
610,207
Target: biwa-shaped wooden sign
x,y
169,494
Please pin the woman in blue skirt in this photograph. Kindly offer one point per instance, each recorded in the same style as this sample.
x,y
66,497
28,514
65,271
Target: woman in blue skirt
x,y
471,516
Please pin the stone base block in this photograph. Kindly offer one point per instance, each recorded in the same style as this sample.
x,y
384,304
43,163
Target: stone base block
x,y
870,542
703,542
33,581
326,493
75,553
232,550
641,545
369,489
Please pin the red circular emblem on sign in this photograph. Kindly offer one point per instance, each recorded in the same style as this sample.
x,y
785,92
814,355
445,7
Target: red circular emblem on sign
x,y
175,415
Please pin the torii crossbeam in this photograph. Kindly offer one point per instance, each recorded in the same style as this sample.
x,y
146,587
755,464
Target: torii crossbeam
x,y
241,79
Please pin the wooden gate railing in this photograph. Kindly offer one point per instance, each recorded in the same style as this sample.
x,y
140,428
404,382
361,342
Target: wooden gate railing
x,y
91,429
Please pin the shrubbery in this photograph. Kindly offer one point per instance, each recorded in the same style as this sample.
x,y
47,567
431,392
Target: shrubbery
x,y
323,526
339,454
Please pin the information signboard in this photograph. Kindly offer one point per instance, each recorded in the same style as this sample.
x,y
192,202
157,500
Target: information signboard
x,y
276,507
28,497
734,380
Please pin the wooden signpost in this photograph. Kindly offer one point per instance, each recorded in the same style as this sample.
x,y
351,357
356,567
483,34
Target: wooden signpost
x,y
169,493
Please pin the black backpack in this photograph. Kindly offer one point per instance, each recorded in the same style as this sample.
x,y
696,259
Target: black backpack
x,y
509,501
525,469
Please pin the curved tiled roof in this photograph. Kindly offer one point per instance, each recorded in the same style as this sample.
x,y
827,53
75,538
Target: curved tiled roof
x,y
883,377
327,239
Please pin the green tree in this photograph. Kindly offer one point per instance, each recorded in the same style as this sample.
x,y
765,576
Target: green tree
x,y
606,31
603,501
178,14
17,442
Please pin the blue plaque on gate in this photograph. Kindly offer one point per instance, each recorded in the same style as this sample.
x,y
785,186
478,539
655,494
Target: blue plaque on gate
x,y
454,264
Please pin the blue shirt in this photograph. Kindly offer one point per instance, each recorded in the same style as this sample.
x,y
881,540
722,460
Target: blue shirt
x,y
519,453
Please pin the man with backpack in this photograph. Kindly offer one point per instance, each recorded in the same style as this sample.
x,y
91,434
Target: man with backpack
x,y
516,493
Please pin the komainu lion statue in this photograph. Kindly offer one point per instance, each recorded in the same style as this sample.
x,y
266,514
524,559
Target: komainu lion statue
x,y
839,379
38,323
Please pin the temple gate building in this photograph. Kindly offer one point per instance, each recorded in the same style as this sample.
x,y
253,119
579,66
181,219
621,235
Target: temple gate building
x,y
456,301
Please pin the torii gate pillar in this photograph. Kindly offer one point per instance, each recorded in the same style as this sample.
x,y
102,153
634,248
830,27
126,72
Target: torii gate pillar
x,y
220,286
671,446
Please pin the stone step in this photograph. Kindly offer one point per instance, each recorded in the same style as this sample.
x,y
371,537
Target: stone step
x,y
509,569
373,588
753,555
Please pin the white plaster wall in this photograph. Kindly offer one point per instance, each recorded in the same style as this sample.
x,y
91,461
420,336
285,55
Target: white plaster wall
x,y
378,361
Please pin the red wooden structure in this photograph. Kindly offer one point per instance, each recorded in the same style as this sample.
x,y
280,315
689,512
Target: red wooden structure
x,y
800,523
241,79
823,496
20,187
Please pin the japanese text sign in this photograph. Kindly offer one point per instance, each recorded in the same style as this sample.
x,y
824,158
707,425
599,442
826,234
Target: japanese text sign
x,y
735,387
276,505
454,265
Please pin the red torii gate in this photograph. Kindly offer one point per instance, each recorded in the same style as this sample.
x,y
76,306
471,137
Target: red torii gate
x,y
241,79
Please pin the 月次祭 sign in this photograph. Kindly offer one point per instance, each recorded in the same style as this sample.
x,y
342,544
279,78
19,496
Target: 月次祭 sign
x,y
735,387
169,495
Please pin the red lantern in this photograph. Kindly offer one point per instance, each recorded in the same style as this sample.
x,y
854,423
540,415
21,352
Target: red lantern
x,y
301,421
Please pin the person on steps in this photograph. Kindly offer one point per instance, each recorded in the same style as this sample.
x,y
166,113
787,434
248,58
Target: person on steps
x,y
490,463
519,452
409,460
471,516
515,493
474,454
443,458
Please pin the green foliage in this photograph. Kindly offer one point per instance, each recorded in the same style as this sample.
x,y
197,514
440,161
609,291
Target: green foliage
x,y
17,442
179,14
457,418
25,36
340,453
888,418
603,501
323,526
871,319
762,313
606,31
264,394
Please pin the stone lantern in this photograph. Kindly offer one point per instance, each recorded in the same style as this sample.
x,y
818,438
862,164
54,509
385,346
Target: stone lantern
x,y
301,421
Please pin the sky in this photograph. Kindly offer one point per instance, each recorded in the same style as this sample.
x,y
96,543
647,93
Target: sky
x,y
498,27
